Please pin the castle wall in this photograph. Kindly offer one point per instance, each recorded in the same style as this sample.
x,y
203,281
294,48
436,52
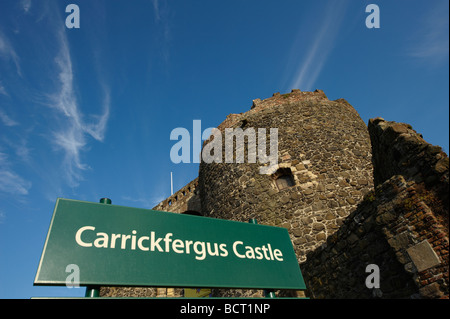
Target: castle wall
x,y
322,191
186,199
325,147
402,227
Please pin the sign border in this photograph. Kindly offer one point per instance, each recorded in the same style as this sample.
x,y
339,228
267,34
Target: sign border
x,y
40,282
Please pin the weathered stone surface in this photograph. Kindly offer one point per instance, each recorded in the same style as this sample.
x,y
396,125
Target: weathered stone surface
x,y
423,256
337,221
186,199
318,226
402,226
319,140
325,145
431,291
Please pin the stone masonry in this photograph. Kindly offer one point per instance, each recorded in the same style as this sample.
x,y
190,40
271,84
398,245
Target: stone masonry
x,y
402,226
322,191
323,146
186,199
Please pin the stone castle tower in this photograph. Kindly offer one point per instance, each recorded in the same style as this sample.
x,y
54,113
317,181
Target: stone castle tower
x,y
324,169
317,191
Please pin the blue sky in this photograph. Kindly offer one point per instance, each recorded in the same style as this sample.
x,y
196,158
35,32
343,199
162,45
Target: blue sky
x,y
87,113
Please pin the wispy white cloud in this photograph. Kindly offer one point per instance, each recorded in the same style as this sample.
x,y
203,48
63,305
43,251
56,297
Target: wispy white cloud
x,y
6,120
19,145
7,52
97,128
156,10
26,5
310,51
11,182
72,137
161,17
3,90
431,41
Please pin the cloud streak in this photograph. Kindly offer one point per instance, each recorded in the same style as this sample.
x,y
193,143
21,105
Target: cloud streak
x,y
72,138
10,182
3,90
6,120
161,18
431,43
7,52
156,10
308,61
26,5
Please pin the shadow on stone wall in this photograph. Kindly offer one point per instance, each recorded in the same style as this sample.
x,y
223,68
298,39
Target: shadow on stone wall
x,y
402,227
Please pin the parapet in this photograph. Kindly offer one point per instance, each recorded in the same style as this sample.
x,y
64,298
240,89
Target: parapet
x,y
399,150
184,200
295,96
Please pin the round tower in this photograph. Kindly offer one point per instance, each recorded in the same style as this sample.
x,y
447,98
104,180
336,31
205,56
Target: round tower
x,y
323,167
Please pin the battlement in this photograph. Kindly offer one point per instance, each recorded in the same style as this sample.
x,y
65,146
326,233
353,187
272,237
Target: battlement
x,y
294,97
184,200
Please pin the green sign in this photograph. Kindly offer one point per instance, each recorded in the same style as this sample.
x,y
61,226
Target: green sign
x,y
113,245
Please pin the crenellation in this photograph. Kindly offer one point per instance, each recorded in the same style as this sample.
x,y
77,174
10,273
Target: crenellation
x,y
185,199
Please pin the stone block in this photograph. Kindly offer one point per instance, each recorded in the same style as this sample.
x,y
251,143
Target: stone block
x,y
352,238
423,256
431,291
401,241
297,232
318,226
321,236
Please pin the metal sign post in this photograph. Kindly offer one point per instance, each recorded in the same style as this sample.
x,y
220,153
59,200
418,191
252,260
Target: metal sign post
x,y
94,291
